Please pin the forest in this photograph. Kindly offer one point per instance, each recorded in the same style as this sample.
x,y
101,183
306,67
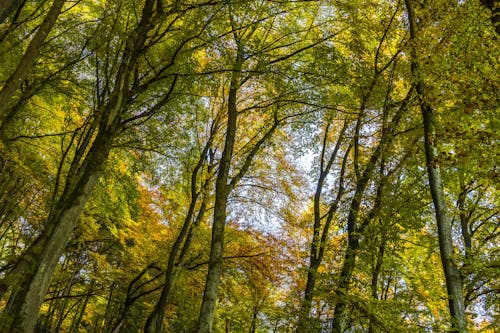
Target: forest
x,y
249,166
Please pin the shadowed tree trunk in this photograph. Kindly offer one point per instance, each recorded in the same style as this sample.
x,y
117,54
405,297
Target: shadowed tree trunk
x,y
376,270
134,292
31,276
223,187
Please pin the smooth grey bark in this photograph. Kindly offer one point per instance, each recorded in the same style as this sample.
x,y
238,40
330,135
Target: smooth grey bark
x,y
222,189
13,83
217,250
32,274
451,272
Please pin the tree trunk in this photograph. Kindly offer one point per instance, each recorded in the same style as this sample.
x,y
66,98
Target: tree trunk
x,y
465,221
375,276
340,314
353,234
222,189
451,272
304,320
253,323
32,274
215,264
154,323
355,229
24,67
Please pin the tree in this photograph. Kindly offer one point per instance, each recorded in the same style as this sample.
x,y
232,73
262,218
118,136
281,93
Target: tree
x,y
494,7
14,81
451,272
321,229
182,244
31,275
274,157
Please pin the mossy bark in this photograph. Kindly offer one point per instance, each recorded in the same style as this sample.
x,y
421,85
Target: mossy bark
x,y
31,276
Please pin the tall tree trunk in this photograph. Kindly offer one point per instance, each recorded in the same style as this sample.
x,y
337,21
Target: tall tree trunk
x,y
304,320
451,272
375,276
339,323
253,323
465,220
354,233
24,67
33,272
154,323
30,278
222,189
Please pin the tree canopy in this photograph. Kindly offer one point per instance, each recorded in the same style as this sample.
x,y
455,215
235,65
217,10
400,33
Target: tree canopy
x,y
249,166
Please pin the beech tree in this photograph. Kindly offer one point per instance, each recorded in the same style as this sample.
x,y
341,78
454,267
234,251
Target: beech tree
x,y
249,166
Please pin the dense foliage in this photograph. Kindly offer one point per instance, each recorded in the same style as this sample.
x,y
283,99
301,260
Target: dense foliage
x,y
249,166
